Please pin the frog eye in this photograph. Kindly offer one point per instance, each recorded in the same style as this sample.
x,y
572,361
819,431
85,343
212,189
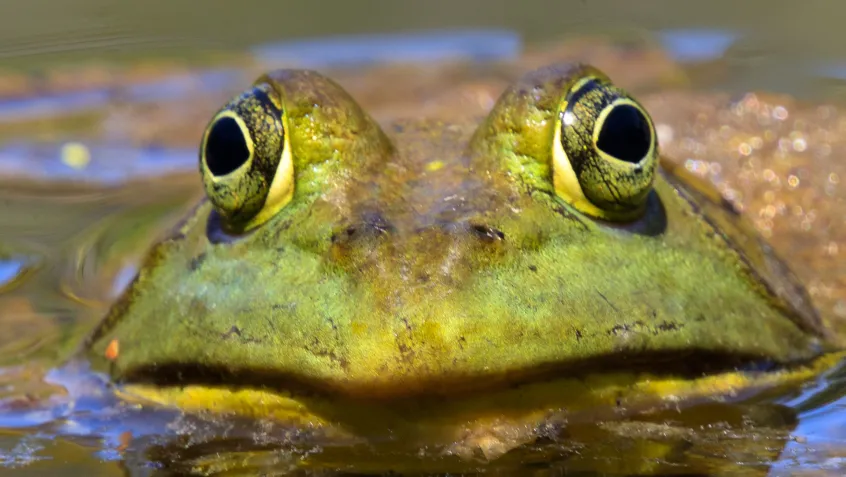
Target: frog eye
x,y
245,159
605,151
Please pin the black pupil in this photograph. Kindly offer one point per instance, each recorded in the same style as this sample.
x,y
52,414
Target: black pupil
x,y
226,148
625,134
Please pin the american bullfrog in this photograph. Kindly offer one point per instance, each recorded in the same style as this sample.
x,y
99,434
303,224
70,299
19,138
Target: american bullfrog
x,y
467,286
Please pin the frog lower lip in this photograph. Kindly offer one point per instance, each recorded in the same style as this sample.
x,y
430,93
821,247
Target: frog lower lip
x,y
686,364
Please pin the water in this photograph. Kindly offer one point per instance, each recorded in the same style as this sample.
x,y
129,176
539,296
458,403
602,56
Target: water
x,y
99,102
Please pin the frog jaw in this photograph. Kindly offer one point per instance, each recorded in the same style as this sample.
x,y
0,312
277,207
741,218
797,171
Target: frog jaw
x,y
471,423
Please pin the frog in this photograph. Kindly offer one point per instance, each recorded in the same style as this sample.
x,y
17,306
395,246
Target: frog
x,y
470,286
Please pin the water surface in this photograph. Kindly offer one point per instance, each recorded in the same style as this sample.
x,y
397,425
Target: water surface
x,y
101,101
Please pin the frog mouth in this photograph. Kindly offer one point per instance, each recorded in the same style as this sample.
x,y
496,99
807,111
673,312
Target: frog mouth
x,y
690,365
441,420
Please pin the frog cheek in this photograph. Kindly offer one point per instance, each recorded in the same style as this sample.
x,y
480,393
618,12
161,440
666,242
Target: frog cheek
x,y
605,153
245,161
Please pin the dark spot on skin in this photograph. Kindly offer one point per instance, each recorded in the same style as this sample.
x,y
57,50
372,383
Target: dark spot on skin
x,y
345,235
578,335
607,301
197,307
486,233
289,307
667,326
232,331
699,318
235,332
563,212
280,229
197,261
408,354
377,222
625,327
533,268
317,349
461,342
372,224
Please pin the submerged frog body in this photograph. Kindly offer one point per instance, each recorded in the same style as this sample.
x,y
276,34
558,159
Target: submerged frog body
x,y
452,284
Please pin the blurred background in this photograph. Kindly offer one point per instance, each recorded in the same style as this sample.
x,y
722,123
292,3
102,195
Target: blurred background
x,y
774,44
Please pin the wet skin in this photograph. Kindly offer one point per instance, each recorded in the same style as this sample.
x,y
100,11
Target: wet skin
x,y
433,277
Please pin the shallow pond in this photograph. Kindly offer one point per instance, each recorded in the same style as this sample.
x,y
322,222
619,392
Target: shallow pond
x,y
86,133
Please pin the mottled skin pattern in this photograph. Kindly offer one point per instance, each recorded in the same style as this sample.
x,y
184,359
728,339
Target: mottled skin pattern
x,y
424,258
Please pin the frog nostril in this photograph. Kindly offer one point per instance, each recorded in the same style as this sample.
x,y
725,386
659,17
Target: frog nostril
x,y
345,235
377,222
372,225
487,233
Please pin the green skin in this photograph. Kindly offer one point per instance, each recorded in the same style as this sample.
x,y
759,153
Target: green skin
x,y
387,277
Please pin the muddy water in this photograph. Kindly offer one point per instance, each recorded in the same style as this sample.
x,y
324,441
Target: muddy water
x,y
99,104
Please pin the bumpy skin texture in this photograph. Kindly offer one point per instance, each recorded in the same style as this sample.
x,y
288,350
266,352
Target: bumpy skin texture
x,y
436,258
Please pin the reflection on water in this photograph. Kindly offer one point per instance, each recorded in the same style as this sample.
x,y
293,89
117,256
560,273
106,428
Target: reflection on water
x,y
740,440
77,164
697,45
818,440
12,269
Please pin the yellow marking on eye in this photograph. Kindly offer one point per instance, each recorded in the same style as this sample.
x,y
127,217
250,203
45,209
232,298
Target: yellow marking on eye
x,y
579,85
564,178
282,187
